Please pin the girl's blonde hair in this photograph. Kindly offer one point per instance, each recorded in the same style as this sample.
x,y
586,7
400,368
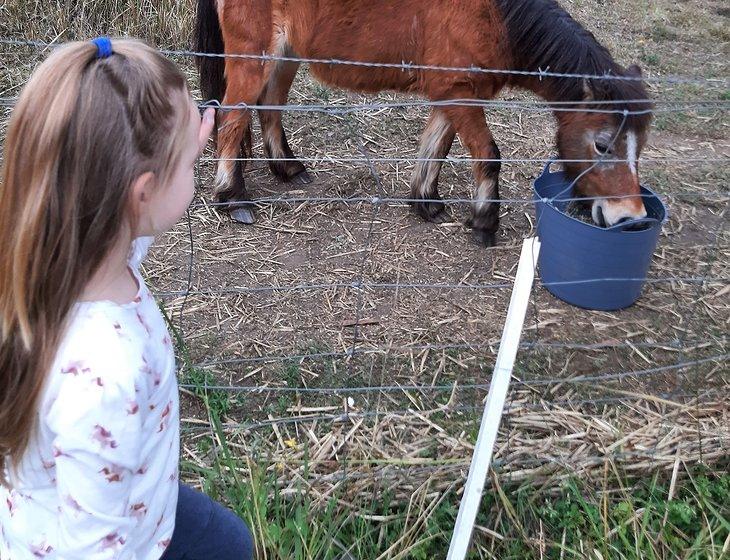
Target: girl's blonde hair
x,y
83,130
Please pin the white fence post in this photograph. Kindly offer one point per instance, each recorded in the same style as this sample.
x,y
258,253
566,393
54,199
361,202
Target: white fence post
x,y
495,400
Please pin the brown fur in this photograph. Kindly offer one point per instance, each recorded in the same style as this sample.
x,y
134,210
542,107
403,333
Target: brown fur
x,y
478,33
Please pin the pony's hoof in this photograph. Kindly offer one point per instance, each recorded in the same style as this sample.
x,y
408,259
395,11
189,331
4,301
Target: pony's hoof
x,y
442,217
302,178
434,212
484,237
243,215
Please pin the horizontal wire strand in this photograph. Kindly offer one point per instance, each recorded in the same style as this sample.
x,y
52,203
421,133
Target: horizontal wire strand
x,y
408,66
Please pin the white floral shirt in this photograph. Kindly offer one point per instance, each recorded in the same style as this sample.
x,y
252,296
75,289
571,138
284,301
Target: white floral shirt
x,y
99,480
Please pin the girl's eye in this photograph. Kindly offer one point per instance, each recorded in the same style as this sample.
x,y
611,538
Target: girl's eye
x,y
601,148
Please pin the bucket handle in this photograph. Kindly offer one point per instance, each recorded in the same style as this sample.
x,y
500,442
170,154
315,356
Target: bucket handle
x,y
546,169
629,223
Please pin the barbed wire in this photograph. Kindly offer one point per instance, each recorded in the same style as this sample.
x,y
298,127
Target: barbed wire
x,y
583,106
396,200
677,106
415,159
536,107
408,66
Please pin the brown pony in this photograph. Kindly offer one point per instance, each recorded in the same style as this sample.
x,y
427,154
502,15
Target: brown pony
x,y
522,35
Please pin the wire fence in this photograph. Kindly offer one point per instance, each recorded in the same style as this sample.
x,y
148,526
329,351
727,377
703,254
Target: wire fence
x,y
585,378
406,66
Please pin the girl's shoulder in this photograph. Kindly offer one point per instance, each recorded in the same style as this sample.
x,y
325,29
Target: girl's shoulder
x,y
103,343
107,347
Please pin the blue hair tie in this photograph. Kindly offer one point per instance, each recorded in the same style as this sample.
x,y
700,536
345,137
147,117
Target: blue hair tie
x,y
103,47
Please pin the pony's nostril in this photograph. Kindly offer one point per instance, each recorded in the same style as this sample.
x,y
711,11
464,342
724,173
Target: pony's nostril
x,y
622,220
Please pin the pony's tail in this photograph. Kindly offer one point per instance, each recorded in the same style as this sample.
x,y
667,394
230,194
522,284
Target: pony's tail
x,y
209,39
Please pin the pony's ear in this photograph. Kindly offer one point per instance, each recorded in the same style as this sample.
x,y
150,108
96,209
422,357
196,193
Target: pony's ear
x,y
588,94
635,70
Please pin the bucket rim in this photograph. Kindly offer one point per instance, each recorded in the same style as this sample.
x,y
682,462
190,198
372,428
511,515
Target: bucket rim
x,y
646,192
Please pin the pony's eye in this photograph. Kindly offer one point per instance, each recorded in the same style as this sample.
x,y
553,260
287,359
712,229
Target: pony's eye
x,y
601,148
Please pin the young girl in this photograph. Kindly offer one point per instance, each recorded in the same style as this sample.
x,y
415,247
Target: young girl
x,y
99,158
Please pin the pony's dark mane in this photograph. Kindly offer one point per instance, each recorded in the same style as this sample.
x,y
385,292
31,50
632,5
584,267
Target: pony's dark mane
x,y
543,36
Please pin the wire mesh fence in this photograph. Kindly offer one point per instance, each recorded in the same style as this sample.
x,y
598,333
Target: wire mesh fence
x,y
350,346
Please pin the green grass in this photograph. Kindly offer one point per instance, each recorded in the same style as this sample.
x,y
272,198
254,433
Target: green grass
x,y
617,517
580,521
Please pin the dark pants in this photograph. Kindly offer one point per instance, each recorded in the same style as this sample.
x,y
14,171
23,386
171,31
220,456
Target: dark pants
x,y
205,530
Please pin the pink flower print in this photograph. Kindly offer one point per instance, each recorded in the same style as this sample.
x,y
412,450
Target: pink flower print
x,y
143,322
11,506
166,340
104,437
137,299
112,474
159,522
172,477
142,469
73,504
99,381
75,368
138,510
47,464
57,452
165,412
40,550
112,540
149,371
132,407
120,331
26,497
163,544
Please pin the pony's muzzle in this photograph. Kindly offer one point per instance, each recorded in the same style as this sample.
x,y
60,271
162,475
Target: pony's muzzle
x,y
609,212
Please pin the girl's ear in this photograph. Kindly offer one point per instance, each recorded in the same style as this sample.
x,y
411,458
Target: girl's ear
x,y
140,197
142,187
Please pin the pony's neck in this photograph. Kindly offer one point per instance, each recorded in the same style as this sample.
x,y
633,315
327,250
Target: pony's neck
x,y
544,37
540,87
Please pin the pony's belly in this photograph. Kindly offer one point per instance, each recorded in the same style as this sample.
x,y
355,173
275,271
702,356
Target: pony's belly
x,y
370,80
379,31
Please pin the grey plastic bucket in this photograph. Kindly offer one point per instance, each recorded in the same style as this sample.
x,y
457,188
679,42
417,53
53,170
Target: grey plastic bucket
x,y
586,265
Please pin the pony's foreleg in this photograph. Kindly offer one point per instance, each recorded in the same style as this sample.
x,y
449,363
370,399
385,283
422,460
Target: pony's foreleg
x,y
282,162
435,145
245,79
244,82
474,133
